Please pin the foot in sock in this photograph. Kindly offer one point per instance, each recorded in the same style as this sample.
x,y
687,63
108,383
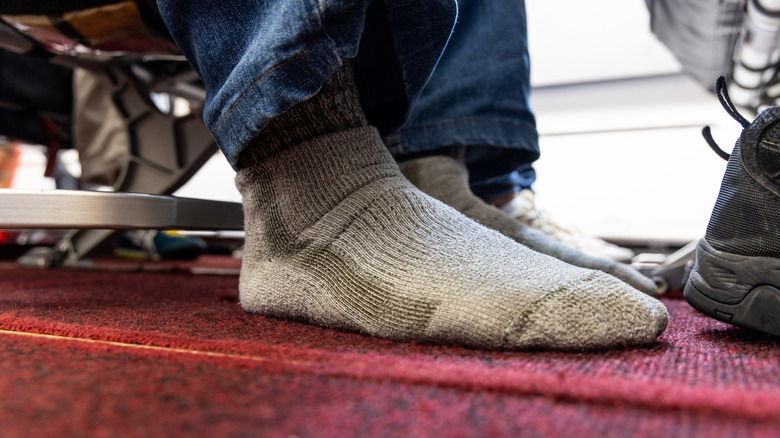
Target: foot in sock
x,y
446,179
522,208
336,236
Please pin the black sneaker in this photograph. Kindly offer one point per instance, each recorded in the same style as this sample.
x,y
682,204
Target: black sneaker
x,y
736,272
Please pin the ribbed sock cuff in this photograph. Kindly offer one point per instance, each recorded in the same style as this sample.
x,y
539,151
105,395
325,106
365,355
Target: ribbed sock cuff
x,y
336,107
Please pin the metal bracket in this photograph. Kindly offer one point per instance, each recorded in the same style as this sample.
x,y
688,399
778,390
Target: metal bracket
x,y
165,151
672,273
100,213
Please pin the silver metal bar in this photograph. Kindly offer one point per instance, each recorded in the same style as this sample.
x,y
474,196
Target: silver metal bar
x,y
109,210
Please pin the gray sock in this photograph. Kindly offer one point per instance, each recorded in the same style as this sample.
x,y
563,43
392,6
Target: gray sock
x,y
334,108
336,236
447,180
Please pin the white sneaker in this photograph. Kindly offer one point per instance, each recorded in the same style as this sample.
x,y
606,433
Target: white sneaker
x,y
523,209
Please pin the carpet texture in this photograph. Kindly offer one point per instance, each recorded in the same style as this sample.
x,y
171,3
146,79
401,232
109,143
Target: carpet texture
x,y
118,353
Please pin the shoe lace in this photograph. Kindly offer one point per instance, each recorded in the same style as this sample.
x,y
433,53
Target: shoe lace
x,y
721,90
535,217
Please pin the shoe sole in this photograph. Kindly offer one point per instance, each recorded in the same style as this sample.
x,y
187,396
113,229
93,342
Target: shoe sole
x,y
739,290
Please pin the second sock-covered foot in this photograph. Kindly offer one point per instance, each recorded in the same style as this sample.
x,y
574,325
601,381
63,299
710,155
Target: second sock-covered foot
x,y
446,179
337,237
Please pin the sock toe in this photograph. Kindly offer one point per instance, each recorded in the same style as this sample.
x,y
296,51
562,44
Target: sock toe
x,y
613,315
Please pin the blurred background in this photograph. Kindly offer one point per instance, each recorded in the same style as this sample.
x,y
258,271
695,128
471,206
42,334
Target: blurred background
x,y
622,153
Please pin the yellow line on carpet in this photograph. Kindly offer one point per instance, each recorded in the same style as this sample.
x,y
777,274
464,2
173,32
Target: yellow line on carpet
x,y
158,348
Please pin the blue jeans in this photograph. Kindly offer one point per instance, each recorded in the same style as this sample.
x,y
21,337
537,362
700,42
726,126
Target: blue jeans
x,y
259,58
478,98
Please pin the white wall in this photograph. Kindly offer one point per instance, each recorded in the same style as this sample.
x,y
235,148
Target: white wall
x,y
621,158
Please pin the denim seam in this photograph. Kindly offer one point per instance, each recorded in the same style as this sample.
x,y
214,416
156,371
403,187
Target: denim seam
x,y
320,12
266,73
400,142
466,119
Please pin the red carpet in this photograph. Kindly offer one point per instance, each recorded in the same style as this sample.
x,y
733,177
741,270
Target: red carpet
x,y
119,353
